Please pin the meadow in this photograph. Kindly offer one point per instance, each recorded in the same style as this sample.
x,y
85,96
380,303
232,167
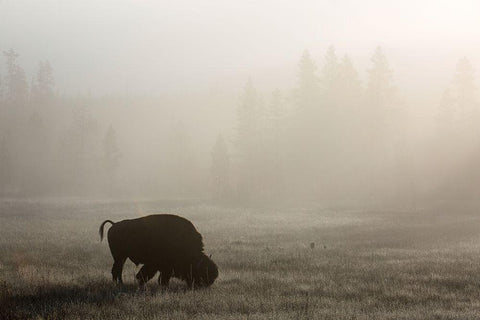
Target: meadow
x,y
366,264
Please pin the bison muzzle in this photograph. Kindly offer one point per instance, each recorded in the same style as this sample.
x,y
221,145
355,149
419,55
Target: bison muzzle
x,y
163,242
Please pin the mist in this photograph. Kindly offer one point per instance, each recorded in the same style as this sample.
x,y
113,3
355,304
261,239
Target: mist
x,y
340,103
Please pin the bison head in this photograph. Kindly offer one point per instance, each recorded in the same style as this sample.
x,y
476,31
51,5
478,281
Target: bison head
x,y
206,272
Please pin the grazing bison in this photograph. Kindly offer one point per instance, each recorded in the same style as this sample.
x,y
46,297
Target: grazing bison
x,y
163,242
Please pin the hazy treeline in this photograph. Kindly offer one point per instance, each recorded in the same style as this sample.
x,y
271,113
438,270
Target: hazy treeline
x,y
50,145
332,138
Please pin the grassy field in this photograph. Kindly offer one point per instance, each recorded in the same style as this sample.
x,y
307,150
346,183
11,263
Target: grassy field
x,y
365,265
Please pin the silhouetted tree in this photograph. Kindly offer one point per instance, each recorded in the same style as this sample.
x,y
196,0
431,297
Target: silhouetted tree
x,y
330,78
79,150
380,90
181,177
34,160
307,91
248,141
464,90
446,110
220,169
247,120
16,88
3,114
5,166
276,115
42,86
379,122
350,87
275,144
111,156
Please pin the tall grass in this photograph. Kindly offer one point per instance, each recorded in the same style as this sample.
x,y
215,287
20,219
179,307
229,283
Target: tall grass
x,y
365,265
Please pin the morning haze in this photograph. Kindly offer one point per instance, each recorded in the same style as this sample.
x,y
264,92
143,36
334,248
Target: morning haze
x,y
327,151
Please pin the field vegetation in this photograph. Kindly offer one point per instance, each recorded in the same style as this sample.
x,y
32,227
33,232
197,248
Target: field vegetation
x,y
364,264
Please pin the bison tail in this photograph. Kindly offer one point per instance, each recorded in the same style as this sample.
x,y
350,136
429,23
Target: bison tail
x,y
101,228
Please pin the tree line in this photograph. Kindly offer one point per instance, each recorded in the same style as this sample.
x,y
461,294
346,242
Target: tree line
x,y
49,144
336,140
333,138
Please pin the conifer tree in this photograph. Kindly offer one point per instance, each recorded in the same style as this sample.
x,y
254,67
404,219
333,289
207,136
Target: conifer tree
x,y
380,90
111,155
220,169
248,141
330,78
464,86
16,88
307,91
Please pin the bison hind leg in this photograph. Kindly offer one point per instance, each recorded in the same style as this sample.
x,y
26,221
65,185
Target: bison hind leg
x,y
146,273
117,269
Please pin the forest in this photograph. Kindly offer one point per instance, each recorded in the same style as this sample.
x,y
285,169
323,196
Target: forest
x,y
333,138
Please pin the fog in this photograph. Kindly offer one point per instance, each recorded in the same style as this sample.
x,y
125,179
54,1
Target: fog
x,y
340,103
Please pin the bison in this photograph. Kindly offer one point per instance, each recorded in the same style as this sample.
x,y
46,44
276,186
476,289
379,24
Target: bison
x,y
162,242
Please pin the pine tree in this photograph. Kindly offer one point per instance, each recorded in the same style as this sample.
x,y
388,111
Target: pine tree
x,y
111,155
248,141
275,144
380,90
79,151
464,89
15,81
42,86
276,114
380,125
5,166
446,110
220,169
350,87
330,78
181,177
307,91
247,120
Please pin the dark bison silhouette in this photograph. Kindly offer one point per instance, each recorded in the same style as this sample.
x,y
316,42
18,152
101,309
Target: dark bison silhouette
x,y
162,242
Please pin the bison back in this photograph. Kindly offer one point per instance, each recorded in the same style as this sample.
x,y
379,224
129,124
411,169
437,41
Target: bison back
x,y
158,239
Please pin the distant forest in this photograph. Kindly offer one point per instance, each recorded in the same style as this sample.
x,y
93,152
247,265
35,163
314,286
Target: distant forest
x,y
332,139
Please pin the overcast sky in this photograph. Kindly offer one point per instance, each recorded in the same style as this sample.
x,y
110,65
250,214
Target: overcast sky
x,y
160,46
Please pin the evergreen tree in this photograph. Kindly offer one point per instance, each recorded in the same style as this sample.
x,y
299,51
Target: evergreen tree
x,y
380,90
379,124
350,87
247,120
79,151
464,89
276,114
15,81
446,109
458,105
248,141
1,93
5,166
2,107
307,91
42,86
275,144
111,155
330,78
181,177
220,169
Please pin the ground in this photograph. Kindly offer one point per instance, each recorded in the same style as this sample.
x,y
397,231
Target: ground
x,y
365,264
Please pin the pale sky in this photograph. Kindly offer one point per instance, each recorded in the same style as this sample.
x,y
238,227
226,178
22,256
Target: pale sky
x,y
160,46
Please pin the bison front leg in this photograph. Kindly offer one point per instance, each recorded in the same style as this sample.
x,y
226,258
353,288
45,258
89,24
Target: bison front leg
x,y
189,278
164,278
146,273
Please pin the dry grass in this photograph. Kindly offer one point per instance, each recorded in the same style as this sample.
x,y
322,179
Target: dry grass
x,y
366,265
